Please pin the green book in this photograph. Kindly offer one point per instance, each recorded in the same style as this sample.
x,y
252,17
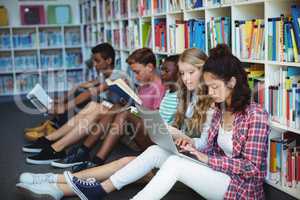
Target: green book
x,y
59,14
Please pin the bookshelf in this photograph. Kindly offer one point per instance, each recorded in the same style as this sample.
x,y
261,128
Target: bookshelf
x,y
131,24
48,54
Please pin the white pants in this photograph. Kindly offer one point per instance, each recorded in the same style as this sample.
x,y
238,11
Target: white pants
x,y
208,183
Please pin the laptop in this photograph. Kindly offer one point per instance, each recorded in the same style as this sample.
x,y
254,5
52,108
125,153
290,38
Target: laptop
x,y
160,135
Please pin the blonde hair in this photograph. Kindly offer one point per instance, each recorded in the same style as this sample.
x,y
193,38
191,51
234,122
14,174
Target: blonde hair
x,y
197,58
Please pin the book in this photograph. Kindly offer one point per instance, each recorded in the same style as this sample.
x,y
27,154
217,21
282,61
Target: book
x,y
124,92
39,98
32,14
59,14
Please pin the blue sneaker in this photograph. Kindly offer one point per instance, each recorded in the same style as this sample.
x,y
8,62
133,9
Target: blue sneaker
x,y
89,189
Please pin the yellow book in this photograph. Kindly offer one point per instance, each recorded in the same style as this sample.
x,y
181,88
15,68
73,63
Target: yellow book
x,y
179,35
248,32
295,50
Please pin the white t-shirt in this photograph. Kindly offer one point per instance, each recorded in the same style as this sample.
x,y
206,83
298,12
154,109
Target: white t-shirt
x,y
225,141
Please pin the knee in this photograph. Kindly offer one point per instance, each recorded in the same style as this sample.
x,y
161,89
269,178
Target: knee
x,y
172,160
124,161
154,149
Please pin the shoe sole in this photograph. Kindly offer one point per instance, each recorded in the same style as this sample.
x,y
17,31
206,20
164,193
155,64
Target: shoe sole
x,y
75,189
28,150
27,194
40,162
61,165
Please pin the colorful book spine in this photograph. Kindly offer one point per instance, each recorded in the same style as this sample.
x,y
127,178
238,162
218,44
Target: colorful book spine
x,y
220,29
6,84
24,40
28,62
5,41
284,98
5,63
25,82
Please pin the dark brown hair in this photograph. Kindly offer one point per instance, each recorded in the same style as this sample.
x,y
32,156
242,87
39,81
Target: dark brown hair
x,y
142,56
224,65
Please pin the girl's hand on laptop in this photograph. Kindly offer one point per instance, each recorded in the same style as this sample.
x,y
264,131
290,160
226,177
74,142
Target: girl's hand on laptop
x,y
192,150
183,142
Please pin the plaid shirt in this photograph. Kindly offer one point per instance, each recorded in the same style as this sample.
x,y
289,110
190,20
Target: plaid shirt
x,y
247,167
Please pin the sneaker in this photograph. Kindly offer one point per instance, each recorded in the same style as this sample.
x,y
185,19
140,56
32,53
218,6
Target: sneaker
x,y
37,146
39,128
89,189
31,178
34,135
46,156
40,191
82,166
75,157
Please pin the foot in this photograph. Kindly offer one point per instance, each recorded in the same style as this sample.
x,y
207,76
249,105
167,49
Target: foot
x,y
83,166
43,191
75,157
46,156
37,146
89,189
31,178
39,128
34,135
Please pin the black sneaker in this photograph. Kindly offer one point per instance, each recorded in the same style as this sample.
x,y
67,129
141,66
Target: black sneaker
x,y
82,166
74,157
46,156
37,146
89,189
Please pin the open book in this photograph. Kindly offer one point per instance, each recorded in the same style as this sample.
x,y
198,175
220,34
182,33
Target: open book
x,y
39,98
120,88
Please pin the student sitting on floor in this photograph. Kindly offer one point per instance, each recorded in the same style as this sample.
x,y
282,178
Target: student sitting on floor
x,y
151,93
169,74
75,99
193,116
103,57
235,155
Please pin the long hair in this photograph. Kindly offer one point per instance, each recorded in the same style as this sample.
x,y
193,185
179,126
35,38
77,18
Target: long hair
x,y
197,58
224,65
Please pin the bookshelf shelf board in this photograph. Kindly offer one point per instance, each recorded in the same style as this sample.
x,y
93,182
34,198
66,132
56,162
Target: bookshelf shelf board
x,y
25,49
291,64
6,94
51,48
146,16
252,61
5,50
31,71
6,72
218,6
73,47
291,191
160,14
52,69
281,127
73,68
126,49
161,52
175,12
253,2
194,10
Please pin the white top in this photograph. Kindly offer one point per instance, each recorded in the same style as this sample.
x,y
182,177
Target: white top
x,y
201,142
225,141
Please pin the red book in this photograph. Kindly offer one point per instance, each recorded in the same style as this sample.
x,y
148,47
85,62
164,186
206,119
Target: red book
x,y
288,107
289,178
298,166
186,35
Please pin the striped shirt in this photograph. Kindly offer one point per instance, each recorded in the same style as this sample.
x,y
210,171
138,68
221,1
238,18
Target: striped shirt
x,y
168,106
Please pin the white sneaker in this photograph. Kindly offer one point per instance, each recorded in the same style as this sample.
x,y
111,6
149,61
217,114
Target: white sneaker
x,y
32,178
43,191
